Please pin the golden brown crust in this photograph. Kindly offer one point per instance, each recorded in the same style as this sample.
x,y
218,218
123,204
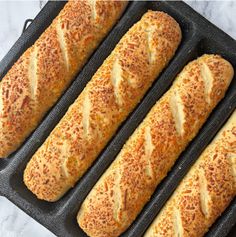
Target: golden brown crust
x,y
108,98
43,72
149,154
204,193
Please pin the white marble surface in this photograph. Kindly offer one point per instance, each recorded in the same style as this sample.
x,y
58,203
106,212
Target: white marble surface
x,y
13,222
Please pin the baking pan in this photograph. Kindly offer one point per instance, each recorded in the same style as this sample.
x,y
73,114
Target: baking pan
x,y
199,37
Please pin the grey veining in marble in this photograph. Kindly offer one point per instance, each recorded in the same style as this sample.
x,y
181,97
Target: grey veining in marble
x,y
220,13
12,17
13,222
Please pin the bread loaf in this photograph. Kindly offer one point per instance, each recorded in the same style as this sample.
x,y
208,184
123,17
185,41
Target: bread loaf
x,y
44,71
113,92
127,185
204,193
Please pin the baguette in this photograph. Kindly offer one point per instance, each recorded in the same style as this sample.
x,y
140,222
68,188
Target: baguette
x,y
204,193
113,92
127,185
43,72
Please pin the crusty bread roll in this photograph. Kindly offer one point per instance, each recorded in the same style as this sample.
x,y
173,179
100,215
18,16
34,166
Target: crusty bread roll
x,y
204,193
151,151
44,71
113,92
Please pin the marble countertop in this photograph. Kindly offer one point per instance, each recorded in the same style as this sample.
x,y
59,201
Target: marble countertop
x,y
14,222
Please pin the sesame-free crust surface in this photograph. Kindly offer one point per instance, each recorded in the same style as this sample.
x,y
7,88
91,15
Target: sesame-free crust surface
x,y
113,92
127,185
204,193
44,71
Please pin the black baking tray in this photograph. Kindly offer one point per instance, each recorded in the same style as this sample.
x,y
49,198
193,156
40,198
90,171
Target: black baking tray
x,y
199,37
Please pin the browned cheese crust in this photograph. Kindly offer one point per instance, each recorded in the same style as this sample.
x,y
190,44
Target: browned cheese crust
x,y
204,193
113,92
44,71
151,151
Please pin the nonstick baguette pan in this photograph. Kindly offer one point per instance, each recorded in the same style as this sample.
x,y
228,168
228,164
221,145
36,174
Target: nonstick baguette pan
x,y
199,37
